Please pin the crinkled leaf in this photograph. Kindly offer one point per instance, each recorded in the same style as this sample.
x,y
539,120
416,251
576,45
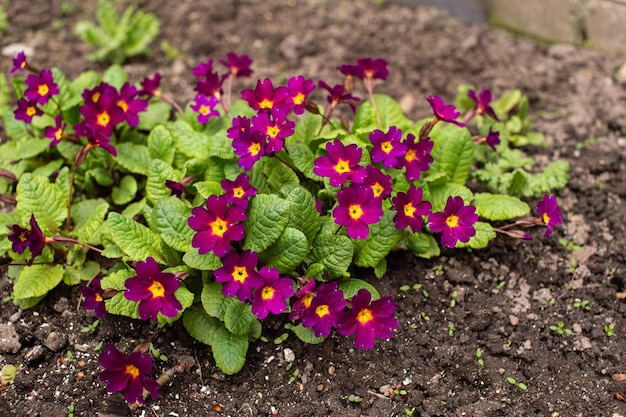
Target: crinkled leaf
x,y
158,173
390,112
207,188
507,101
161,144
134,158
278,174
115,75
303,159
287,252
439,195
553,177
37,280
215,303
238,318
86,228
452,152
306,130
423,245
382,238
484,234
125,192
351,287
229,350
306,335
76,274
200,325
206,262
116,280
38,196
303,214
332,251
158,112
499,206
120,305
169,219
268,215
380,268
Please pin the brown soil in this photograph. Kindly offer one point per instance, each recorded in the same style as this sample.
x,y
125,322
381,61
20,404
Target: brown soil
x,y
574,95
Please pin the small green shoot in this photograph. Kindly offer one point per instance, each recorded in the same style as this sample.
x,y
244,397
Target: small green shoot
x,y
69,357
439,270
609,329
354,398
519,385
409,411
92,327
399,392
587,142
479,357
451,329
572,265
501,285
582,304
453,298
70,410
415,287
280,339
7,374
294,375
569,245
560,329
157,354
425,316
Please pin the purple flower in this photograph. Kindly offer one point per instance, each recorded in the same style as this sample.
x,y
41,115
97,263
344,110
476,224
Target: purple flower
x,y
216,226
357,209
455,222
128,374
380,183
239,65
275,126
205,107
483,102
203,69
417,158
351,70
303,297
265,96
94,298
410,209
101,110
176,188
299,90
493,139
150,86
387,146
55,132
550,213
41,87
33,239
239,275
26,109
240,124
238,191
271,295
19,62
341,164
368,320
373,68
94,136
324,309
338,94
444,112
250,147
154,290
130,104
211,85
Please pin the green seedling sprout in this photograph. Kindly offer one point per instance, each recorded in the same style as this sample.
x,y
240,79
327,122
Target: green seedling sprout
x,y
479,357
519,385
582,304
609,329
560,329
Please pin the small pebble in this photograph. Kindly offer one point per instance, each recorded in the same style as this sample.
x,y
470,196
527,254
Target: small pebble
x,y
289,355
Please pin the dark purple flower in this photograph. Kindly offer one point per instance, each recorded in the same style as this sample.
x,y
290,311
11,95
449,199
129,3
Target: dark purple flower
x,y
341,164
101,110
205,107
41,87
154,290
250,147
417,158
55,132
338,94
357,209
240,124
239,274
483,102
550,213
265,96
239,65
176,188
26,109
368,320
387,146
380,183
19,62
303,297
410,209
351,70
275,126
373,68
94,136
493,138
216,226
150,86
238,191
128,374
130,104
455,222
94,298
203,69
211,85
299,90
444,112
324,309
271,295
33,239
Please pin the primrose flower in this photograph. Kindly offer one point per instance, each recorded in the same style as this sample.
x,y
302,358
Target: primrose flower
x,y
55,132
299,90
351,70
94,136
265,96
380,183
275,126
127,374
482,100
303,297
19,62
130,104
176,188
211,85
250,147
417,158
41,87
341,164
216,226
100,108
239,275
239,65
550,213
368,320
338,94
238,191
387,146
94,298
33,239
26,109
150,86
357,209
240,124
271,295
154,290
203,69
205,107
410,209
375,69
493,139
444,112
324,309
455,222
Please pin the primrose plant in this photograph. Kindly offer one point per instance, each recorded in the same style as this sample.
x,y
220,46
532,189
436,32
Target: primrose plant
x,y
224,212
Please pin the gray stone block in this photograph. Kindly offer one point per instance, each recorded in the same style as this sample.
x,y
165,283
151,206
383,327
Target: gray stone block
x,y
605,22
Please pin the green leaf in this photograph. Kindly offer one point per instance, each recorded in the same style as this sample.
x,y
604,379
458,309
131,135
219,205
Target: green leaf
x,y
126,191
553,177
439,195
120,305
134,158
229,350
238,318
499,206
158,173
76,274
169,219
115,74
452,153
37,280
86,228
268,215
303,213
306,335
287,252
390,112
185,297
332,251
38,196
383,237
144,28
206,262
351,287
380,268
207,188
215,303
484,234
303,159
117,279
306,130
278,174
200,325
423,245
158,112
161,144
507,101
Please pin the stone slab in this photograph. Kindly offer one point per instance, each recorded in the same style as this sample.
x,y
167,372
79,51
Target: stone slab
x,y
605,24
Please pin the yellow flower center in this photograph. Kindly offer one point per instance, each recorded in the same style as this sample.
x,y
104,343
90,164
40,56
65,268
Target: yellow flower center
x,y
58,134
409,210
266,104
218,227
342,166
31,111
104,119
546,218
98,297
322,310
157,290
378,189
204,110
298,99
386,147
254,149
132,370
122,104
272,131
364,316
96,97
43,89
238,192
452,221
240,274
267,293
410,156
355,211
307,299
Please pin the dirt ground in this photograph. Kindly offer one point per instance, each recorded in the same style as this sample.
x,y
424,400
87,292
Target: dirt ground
x,y
508,294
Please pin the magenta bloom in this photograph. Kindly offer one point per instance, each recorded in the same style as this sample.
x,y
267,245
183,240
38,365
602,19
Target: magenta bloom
x,y
380,183
417,158
41,88
455,222
550,213
239,274
154,290
205,107
26,109
95,137
410,209
338,94
341,164
240,124
150,86
303,299
482,100
203,69
94,298
368,320
211,85
493,138
444,112
373,68
324,309
130,104
250,147
128,374
19,62
387,146
275,126
55,132
176,188
356,210
33,239
239,65
299,90
265,96
101,110
216,226
351,70
270,297
239,191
